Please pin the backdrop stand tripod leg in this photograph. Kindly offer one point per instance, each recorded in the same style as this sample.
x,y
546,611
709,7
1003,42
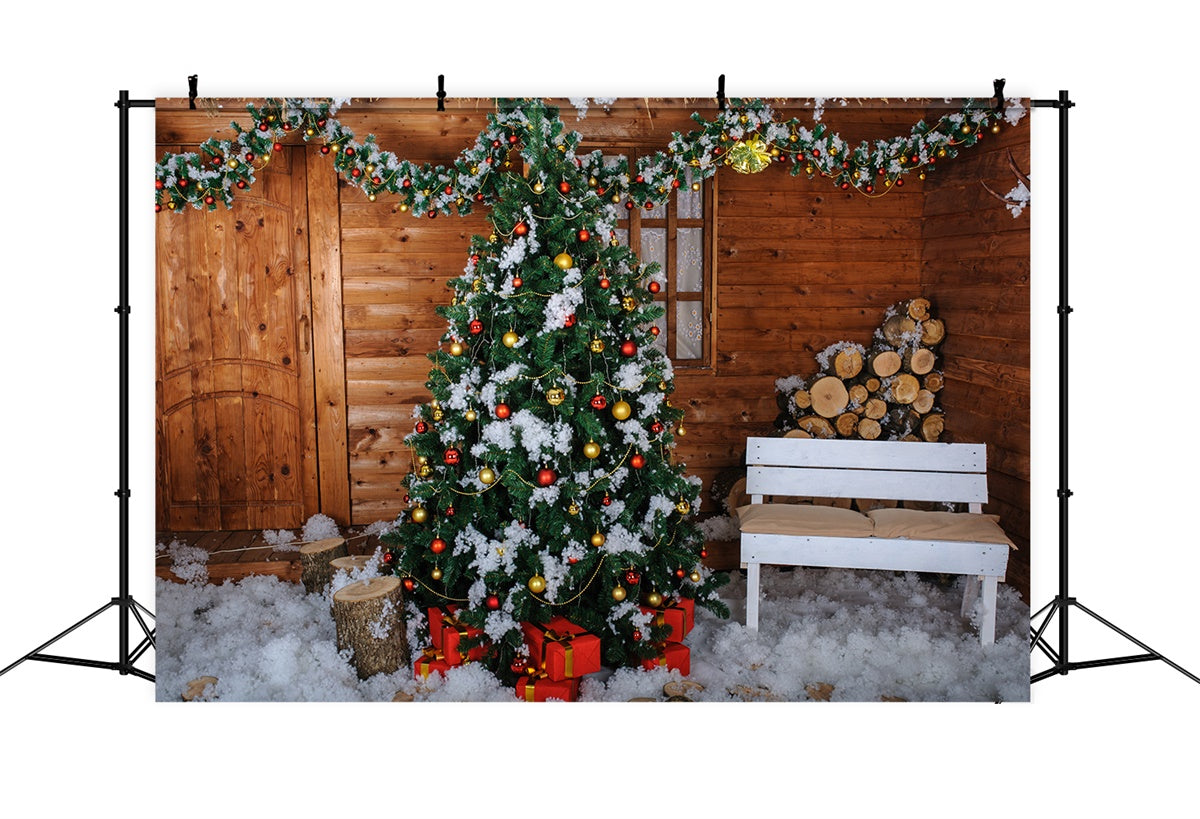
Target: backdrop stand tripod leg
x,y
1062,604
126,606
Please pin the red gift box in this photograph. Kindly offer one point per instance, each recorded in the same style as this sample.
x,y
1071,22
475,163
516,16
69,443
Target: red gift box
x,y
561,649
447,633
431,660
679,614
672,655
539,688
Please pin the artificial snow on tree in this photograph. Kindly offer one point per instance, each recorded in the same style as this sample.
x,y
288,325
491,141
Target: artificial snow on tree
x,y
543,484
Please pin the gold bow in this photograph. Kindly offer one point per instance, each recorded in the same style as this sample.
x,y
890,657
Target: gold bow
x,y
748,156
428,657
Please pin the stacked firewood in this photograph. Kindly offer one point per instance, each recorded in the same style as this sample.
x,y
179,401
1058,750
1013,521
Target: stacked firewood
x,y
888,391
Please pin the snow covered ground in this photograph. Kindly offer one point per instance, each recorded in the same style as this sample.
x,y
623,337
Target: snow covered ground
x,y
869,635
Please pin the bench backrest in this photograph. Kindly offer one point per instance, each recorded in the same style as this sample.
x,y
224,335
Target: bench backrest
x,y
885,470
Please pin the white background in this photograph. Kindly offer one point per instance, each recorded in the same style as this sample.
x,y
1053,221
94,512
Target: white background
x,y
1097,743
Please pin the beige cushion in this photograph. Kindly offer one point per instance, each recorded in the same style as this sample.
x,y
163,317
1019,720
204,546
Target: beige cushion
x,y
801,519
918,525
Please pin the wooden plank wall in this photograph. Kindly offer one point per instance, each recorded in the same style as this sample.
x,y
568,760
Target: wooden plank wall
x,y
975,266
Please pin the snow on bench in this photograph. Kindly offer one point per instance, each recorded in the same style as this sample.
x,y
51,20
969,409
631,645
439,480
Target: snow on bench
x,y
793,534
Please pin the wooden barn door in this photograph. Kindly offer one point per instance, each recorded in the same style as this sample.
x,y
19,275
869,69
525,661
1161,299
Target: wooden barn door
x,y
236,437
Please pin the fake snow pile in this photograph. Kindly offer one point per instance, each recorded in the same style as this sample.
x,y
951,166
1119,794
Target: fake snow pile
x,y
870,635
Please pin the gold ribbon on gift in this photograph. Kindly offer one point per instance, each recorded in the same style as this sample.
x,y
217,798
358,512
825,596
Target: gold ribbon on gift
x,y
564,639
428,657
530,686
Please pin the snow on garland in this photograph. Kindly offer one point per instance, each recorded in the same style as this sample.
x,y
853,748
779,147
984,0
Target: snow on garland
x,y
745,136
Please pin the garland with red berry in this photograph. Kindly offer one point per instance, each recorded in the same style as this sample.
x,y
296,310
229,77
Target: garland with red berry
x,y
745,136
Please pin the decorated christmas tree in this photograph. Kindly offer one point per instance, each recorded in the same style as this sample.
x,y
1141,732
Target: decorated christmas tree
x,y
543,483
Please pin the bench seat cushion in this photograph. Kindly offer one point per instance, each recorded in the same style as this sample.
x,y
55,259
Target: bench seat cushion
x,y
802,519
918,525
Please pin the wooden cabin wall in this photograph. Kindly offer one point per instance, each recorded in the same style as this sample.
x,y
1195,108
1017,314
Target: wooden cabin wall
x,y
975,267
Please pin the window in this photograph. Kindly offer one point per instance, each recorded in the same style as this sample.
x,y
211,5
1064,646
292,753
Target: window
x,y
679,236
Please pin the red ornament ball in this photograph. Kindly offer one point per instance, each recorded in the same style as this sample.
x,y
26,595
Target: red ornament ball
x,y
637,460
599,402
680,573
569,321
492,602
546,476
324,150
845,185
449,190
158,208
657,427
449,512
520,228
512,139
409,584
628,349
349,151
158,185
476,327
654,287
639,178
604,283
564,187
388,557
241,183
452,456
654,330
437,546
517,666
208,200
629,206
637,635
518,281
606,500
704,553
503,411
633,577
278,146
584,235
421,427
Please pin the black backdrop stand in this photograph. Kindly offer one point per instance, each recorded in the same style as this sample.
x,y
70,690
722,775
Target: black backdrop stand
x,y
126,606
1063,602
1061,605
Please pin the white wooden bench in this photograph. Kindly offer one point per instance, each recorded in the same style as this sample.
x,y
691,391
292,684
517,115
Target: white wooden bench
x,y
800,535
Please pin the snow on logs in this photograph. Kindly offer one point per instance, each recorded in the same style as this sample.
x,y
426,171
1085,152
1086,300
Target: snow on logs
x,y
887,391
315,559
369,616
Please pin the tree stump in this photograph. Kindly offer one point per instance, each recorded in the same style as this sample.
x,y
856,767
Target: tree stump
x,y
858,394
905,388
933,426
369,616
846,424
875,408
351,563
923,403
315,569
934,381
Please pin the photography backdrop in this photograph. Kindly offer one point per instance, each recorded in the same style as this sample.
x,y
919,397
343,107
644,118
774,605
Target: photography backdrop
x,y
1130,256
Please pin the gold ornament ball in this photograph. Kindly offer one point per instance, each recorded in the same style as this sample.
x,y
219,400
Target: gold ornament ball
x,y
598,540
470,415
510,339
681,431
618,593
420,514
436,574
563,261
573,509
683,507
438,415
403,208
487,475
538,187
621,410
629,303
456,349
591,450
694,577
654,600
596,346
555,396
421,459
695,186
537,584
425,471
